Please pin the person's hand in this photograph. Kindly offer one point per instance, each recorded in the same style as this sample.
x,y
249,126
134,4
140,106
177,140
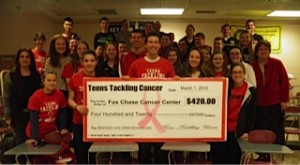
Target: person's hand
x,y
8,122
283,105
82,109
25,110
63,131
125,77
177,77
32,142
245,137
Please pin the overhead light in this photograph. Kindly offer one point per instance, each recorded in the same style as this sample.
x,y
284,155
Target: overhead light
x,y
285,13
161,11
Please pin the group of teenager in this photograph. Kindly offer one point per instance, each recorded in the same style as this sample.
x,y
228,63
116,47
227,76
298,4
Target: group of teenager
x,y
258,89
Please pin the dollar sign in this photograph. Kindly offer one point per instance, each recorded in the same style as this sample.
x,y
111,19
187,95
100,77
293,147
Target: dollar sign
x,y
188,101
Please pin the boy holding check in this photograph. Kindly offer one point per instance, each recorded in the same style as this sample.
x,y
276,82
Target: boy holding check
x,y
151,66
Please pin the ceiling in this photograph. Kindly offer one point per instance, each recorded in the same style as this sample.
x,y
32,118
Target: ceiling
x,y
116,10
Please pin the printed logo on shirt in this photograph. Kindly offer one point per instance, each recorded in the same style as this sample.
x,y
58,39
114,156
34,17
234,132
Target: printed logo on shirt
x,y
80,69
153,73
48,112
40,59
49,106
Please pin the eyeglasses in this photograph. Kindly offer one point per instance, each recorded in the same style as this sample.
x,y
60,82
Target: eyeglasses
x,y
238,72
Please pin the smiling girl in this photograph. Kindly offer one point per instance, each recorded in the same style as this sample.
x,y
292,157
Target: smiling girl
x,y
44,106
19,84
240,117
174,56
58,53
195,65
111,60
75,101
75,65
246,42
235,56
218,65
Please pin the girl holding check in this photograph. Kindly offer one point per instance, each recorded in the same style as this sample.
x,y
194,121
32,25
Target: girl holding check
x,y
240,117
75,100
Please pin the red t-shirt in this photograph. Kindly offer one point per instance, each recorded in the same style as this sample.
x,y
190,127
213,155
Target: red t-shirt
x,y
127,60
40,59
76,84
160,68
219,74
47,106
68,70
234,105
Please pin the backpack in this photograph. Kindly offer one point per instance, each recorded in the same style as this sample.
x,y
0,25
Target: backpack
x,y
8,142
63,156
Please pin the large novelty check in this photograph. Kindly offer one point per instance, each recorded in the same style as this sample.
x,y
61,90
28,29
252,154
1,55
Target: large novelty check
x,y
155,110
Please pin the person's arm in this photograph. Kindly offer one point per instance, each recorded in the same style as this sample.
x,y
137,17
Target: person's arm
x,y
251,111
132,72
7,97
95,41
284,87
67,80
77,107
172,71
114,38
34,121
71,98
117,37
62,115
47,65
251,75
67,72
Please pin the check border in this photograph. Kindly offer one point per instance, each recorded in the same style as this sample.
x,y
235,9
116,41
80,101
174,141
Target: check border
x,y
224,82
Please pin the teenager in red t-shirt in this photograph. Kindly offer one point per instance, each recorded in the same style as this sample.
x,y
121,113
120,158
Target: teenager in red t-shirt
x,y
40,55
240,117
218,65
75,101
152,66
75,65
44,106
138,50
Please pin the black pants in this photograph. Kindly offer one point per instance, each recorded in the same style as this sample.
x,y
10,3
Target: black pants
x,y
19,123
271,118
145,156
69,116
228,152
81,148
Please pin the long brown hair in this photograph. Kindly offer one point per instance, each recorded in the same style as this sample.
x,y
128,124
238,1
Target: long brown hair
x,y
116,63
177,65
204,70
53,54
250,47
32,66
75,58
224,65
